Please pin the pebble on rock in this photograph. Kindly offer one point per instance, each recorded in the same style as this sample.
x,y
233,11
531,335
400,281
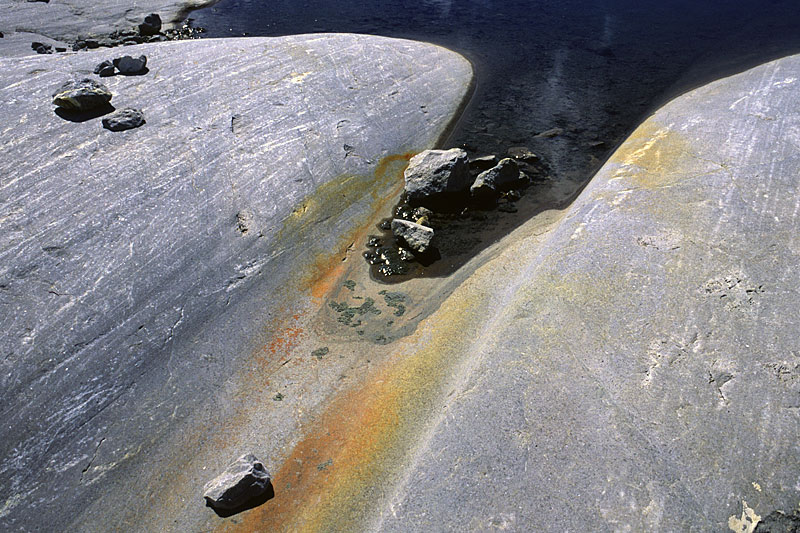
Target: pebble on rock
x,y
82,95
130,65
244,480
151,25
433,173
416,236
124,119
522,153
41,48
104,69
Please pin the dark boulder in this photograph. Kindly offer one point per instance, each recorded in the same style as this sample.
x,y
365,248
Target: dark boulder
x,y
433,174
104,69
41,48
244,480
124,119
151,25
131,65
82,95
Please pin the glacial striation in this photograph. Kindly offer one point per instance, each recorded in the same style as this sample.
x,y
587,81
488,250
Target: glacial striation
x,y
138,268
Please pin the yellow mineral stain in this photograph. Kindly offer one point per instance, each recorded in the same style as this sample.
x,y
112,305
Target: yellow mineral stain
x,y
655,156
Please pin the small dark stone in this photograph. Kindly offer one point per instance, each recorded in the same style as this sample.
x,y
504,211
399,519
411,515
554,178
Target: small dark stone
x,y
131,65
41,48
151,25
1,35
79,45
60,49
91,43
82,95
43,1
124,119
108,42
104,69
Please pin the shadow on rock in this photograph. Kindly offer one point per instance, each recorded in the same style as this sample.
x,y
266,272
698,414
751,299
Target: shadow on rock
x,y
142,72
252,503
83,116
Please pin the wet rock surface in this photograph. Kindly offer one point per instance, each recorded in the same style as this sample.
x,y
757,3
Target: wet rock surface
x,y
243,481
417,237
124,119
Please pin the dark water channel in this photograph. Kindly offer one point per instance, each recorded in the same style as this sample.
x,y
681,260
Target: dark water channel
x,y
591,68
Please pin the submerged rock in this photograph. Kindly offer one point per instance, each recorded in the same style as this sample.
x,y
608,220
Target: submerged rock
x,y
124,119
243,480
82,95
130,65
416,236
433,173
522,153
479,164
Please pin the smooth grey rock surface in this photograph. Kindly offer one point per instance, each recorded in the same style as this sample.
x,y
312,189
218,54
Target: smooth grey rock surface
x,y
640,370
82,95
244,479
124,119
130,293
433,173
418,237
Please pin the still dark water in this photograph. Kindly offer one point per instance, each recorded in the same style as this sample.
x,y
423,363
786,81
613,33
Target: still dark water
x,y
594,68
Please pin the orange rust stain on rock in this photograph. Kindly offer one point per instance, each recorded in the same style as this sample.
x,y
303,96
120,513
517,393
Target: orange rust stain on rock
x,y
354,427
358,447
328,268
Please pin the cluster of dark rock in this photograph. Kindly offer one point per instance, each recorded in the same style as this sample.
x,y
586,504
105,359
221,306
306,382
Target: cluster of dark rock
x,y
448,181
41,48
126,65
244,483
89,98
149,31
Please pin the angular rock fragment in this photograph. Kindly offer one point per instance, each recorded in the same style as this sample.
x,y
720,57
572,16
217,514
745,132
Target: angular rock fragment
x,y
82,95
243,480
479,164
433,173
488,184
151,25
416,236
104,69
124,119
130,65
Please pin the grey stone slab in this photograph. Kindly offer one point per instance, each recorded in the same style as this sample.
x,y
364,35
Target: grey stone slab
x,y
643,370
138,267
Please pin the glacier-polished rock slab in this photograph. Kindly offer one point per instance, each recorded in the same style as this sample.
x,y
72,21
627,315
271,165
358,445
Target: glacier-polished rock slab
x,y
123,255
643,371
